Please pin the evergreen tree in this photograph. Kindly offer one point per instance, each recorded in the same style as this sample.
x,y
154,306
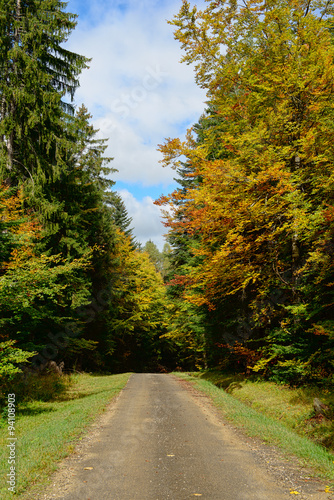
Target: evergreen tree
x,y
120,215
84,224
73,224
36,73
37,292
56,156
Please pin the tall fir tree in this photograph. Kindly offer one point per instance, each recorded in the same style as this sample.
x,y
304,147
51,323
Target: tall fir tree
x,y
55,155
36,75
120,215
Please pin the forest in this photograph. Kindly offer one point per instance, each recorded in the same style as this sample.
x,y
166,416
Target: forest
x,y
246,279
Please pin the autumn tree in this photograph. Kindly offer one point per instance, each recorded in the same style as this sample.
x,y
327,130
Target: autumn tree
x,y
137,317
36,291
261,213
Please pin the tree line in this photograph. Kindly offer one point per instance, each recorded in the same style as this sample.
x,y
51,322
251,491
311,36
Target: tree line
x,y
251,223
74,284
246,279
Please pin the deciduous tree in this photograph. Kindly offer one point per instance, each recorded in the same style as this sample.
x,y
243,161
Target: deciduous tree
x,y
260,213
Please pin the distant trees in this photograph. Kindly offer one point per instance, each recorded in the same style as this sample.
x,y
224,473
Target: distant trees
x,y
137,311
159,259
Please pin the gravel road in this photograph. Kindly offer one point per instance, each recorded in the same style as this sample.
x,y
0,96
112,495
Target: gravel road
x,y
162,440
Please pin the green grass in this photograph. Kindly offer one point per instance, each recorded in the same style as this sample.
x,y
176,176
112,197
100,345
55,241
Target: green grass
x,y
292,406
271,412
47,431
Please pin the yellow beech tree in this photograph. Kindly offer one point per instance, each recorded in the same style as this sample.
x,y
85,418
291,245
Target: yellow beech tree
x,y
263,207
137,310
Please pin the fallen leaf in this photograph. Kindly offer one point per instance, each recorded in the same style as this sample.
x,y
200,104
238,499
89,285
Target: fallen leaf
x,y
88,468
170,455
292,492
197,494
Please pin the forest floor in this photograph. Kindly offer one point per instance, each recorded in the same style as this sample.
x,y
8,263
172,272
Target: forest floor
x,y
163,439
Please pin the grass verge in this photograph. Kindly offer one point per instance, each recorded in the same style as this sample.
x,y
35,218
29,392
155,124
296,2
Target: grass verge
x,y
267,427
292,406
47,431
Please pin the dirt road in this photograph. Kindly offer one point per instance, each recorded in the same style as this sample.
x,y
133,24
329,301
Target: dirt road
x,y
161,441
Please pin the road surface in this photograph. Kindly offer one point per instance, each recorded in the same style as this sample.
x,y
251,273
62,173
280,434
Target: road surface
x,y
161,441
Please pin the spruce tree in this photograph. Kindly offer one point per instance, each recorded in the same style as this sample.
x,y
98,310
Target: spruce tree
x,y
77,197
36,75
120,216
53,153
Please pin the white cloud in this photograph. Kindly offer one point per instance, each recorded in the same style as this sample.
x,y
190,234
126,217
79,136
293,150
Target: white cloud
x,y
137,91
134,160
146,218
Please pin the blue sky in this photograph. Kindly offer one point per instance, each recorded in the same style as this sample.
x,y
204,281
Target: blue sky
x,y
138,94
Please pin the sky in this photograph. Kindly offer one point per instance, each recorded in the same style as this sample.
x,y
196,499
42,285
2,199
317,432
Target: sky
x,y
138,94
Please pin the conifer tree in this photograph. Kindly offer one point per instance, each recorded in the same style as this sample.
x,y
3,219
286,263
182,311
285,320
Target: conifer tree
x,y
54,154
37,292
36,76
120,215
77,197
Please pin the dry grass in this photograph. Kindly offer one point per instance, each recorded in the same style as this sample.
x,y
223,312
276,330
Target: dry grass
x,y
292,406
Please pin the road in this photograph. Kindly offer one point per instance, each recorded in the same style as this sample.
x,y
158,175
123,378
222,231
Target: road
x,y
161,441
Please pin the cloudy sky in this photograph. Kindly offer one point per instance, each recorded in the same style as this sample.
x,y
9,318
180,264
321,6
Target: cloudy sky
x,y
138,93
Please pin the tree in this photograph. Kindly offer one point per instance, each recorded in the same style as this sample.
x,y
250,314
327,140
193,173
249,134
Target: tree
x,y
161,260
120,215
36,74
261,213
55,155
71,207
14,227
36,291
154,255
137,311
83,223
